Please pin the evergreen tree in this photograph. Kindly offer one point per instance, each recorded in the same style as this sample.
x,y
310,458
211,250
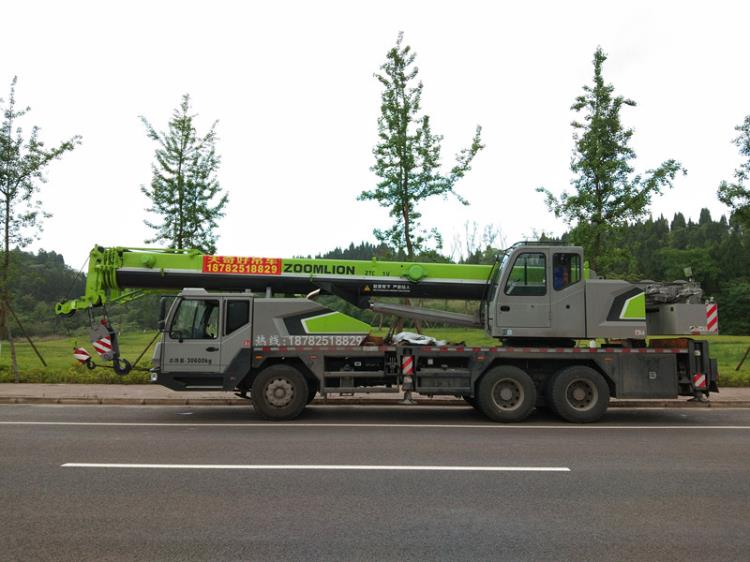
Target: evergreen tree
x,y
736,195
407,156
184,191
678,221
22,164
361,251
607,194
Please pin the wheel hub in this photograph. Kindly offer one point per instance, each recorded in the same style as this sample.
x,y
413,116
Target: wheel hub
x,y
582,394
279,392
507,394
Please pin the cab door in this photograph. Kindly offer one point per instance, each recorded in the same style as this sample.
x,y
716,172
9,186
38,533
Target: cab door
x,y
525,299
236,344
568,295
192,343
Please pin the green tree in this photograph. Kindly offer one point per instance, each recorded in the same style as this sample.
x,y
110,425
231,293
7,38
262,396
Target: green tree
x,y
607,194
736,195
407,156
23,161
734,303
184,190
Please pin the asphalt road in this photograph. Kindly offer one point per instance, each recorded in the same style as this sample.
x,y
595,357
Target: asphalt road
x,y
642,485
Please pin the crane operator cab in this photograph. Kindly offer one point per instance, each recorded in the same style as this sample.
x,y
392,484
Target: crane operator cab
x,y
542,294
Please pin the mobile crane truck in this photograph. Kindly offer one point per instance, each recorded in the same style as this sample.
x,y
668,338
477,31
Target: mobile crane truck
x,y
550,313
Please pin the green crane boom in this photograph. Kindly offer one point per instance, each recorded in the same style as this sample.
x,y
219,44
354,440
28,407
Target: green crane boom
x,y
121,274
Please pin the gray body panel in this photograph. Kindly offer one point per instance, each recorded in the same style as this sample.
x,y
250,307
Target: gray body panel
x,y
525,315
602,319
676,319
569,306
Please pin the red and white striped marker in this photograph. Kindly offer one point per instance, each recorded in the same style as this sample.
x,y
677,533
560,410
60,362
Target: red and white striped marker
x,y
103,346
407,365
712,318
407,369
81,354
699,380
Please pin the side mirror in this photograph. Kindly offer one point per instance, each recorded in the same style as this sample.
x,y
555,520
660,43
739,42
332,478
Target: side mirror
x,y
162,313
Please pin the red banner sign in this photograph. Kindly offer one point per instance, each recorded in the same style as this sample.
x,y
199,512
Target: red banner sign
x,y
240,265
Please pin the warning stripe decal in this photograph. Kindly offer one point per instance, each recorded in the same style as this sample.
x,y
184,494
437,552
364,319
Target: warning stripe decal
x,y
699,380
407,365
102,346
81,354
712,317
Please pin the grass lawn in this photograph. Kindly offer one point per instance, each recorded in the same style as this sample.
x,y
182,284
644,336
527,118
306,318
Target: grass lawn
x,y
62,368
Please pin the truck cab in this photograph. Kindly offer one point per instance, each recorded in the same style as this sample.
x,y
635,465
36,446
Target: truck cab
x,y
208,339
204,334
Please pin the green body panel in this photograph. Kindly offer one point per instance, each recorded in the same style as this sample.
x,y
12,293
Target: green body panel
x,y
634,308
335,323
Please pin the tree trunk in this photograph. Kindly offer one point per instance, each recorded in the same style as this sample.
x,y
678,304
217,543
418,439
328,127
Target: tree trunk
x,y
4,293
13,360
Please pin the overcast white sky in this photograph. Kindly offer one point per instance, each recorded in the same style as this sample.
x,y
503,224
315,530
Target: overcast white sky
x,y
292,86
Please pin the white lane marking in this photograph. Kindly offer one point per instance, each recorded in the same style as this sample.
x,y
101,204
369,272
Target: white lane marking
x,y
323,467
286,425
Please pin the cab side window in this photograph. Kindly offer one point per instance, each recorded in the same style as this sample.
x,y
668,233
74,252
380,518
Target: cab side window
x,y
528,276
566,270
238,314
195,320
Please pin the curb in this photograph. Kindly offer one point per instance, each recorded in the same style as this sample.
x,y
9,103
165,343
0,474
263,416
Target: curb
x,y
334,401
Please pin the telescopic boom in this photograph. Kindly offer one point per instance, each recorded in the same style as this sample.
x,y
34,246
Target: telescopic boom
x,y
121,274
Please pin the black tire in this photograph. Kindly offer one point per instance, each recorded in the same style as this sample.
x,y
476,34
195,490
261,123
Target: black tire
x,y
312,391
472,402
580,394
548,393
280,392
506,394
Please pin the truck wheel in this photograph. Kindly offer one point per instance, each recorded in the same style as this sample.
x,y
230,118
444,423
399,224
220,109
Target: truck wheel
x,y
312,391
548,393
506,394
471,402
579,394
280,392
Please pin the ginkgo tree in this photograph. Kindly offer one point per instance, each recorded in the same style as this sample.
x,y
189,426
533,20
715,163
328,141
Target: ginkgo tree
x,y
408,156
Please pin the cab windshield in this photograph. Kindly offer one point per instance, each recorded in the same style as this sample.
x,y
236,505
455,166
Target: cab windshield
x,y
497,271
196,320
